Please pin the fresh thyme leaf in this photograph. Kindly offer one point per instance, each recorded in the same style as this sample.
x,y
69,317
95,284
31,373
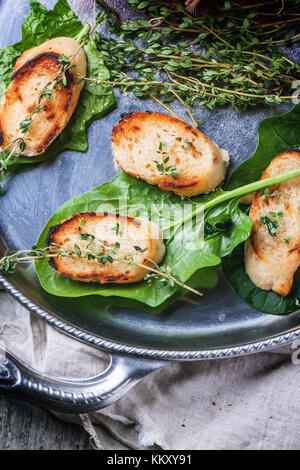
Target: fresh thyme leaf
x,y
271,222
150,277
77,250
266,193
287,240
186,144
25,125
277,215
64,80
160,147
3,164
116,228
63,59
84,236
36,110
87,236
141,250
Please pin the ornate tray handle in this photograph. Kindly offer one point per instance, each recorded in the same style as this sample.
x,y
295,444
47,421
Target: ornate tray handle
x,y
73,396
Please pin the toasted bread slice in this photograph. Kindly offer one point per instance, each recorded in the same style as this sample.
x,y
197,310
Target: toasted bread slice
x,y
139,136
136,239
271,261
34,69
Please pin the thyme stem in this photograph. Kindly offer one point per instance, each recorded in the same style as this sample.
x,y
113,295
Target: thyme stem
x,y
167,108
8,262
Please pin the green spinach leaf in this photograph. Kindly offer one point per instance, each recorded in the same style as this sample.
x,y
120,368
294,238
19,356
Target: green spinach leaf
x,y
187,252
259,299
276,135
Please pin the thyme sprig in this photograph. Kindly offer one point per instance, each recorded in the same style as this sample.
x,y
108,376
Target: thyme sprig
x,y
47,92
162,166
168,62
103,253
11,258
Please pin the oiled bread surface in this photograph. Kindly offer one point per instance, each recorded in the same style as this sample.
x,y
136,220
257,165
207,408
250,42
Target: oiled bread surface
x,y
271,261
34,69
136,140
135,237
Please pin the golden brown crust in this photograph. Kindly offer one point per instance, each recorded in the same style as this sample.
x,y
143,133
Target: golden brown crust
x,y
127,122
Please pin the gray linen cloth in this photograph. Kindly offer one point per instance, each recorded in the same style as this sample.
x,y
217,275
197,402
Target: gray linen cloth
x,y
240,403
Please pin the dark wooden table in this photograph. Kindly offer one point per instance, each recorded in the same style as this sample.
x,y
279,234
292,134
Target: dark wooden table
x,y
27,427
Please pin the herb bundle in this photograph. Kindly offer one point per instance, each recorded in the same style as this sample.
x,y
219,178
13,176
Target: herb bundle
x,y
230,57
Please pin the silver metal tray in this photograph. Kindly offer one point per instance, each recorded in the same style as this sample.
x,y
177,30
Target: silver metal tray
x,y
220,325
